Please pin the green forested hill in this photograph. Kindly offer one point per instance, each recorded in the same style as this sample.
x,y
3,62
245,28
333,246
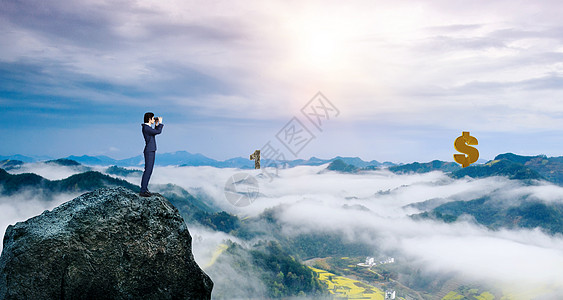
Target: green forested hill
x,y
340,166
503,167
510,165
64,162
9,164
487,211
435,165
518,167
265,270
83,182
120,171
304,245
550,168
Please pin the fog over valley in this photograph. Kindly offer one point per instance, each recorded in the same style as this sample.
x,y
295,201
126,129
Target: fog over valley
x,y
379,209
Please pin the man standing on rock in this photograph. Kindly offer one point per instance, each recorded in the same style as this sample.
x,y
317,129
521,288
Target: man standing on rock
x,y
149,134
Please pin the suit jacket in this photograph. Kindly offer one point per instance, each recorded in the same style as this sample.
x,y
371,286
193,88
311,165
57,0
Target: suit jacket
x,y
149,134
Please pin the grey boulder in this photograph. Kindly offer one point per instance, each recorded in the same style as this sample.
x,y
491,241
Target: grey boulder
x,y
107,244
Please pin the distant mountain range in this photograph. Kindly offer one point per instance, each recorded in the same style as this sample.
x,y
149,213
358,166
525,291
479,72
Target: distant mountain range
x,y
510,165
24,158
184,158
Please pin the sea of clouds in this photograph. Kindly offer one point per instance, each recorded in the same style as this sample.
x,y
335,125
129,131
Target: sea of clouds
x,y
523,261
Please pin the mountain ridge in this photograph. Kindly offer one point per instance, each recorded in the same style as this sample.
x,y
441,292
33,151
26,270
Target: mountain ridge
x,y
185,158
539,167
107,244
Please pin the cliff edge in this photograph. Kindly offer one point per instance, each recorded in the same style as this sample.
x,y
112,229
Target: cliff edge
x,y
107,244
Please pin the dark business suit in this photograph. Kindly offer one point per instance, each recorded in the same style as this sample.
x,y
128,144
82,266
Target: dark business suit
x,y
150,150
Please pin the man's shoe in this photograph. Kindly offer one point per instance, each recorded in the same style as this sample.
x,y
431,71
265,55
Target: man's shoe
x,y
144,194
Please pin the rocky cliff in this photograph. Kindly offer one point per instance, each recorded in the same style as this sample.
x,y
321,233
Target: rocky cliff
x,y
107,244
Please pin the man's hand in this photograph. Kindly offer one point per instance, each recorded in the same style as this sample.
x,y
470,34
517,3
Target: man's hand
x,y
159,120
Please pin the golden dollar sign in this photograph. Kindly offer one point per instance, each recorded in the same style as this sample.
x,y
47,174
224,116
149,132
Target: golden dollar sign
x,y
460,145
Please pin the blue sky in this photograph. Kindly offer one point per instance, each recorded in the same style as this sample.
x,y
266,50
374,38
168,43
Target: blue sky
x,y
76,77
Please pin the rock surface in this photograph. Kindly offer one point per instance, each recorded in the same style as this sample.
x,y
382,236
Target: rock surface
x,y
107,244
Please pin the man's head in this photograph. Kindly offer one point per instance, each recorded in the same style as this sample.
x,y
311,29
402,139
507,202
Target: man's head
x,y
148,117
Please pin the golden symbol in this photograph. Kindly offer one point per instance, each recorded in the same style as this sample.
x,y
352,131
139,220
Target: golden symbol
x,y
460,145
256,157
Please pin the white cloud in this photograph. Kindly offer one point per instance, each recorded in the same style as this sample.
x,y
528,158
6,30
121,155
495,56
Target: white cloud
x,y
48,171
520,261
